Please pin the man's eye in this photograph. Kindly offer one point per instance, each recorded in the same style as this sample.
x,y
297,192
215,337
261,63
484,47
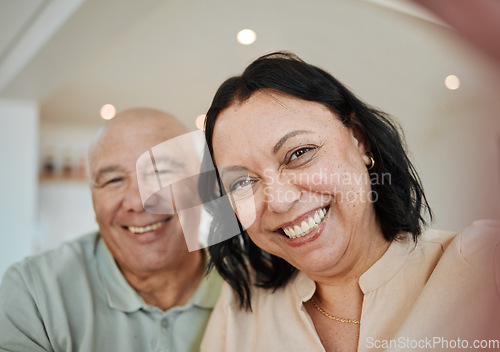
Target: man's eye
x,y
164,172
114,180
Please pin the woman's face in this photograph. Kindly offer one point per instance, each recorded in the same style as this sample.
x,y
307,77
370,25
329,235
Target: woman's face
x,y
298,182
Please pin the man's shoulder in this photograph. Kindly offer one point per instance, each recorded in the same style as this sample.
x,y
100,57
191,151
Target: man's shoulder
x,y
70,257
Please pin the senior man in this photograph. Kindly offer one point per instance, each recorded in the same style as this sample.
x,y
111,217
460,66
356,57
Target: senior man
x,y
133,286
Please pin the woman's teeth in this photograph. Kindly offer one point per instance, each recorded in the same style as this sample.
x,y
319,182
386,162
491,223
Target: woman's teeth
x,y
305,226
152,227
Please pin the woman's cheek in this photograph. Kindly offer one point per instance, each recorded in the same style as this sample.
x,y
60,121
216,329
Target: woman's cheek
x,y
246,211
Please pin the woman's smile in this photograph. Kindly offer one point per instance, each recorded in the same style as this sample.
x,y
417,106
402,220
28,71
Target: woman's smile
x,y
300,228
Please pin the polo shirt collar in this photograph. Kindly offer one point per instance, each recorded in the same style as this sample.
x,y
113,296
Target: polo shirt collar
x,y
208,292
122,296
119,293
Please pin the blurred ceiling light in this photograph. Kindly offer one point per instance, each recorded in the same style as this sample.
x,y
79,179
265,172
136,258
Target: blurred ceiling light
x,y
108,111
246,36
452,82
200,122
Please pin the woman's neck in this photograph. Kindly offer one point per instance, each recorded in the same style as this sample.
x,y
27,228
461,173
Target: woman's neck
x,y
341,291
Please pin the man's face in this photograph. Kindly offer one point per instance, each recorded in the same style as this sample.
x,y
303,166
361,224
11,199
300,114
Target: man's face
x,y
139,241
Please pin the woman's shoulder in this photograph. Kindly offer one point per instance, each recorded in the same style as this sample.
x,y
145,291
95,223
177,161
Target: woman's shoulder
x,y
479,237
480,234
475,251
479,242
479,245
462,289
300,288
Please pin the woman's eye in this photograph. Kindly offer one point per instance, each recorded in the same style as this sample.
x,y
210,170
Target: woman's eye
x,y
240,185
300,156
296,154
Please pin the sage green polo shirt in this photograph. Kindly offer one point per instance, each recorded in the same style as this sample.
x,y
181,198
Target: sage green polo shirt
x,y
75,298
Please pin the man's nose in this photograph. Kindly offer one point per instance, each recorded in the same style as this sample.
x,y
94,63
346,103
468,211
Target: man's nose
x,y
132,198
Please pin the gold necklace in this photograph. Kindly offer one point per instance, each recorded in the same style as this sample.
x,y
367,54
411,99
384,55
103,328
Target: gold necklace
x,y
342,320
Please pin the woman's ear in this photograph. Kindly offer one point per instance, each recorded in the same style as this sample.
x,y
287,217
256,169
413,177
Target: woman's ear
x,y
360,143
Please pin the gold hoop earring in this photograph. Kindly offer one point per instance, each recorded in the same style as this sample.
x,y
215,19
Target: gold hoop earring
x,y
372,164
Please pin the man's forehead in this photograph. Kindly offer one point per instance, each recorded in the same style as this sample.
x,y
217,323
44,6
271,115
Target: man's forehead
x,y
108,164
147,163
107,156
178,154
128,143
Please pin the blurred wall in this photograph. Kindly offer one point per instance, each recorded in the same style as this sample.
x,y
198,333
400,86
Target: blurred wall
x,y
64,207
18,181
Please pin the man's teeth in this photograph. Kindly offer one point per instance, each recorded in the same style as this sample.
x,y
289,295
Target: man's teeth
x,y
306,226
152,227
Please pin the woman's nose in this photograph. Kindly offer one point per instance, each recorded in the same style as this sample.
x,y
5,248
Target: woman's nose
x,y
281,195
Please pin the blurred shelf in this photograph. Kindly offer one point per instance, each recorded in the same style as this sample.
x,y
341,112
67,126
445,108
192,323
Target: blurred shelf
x,y
62,179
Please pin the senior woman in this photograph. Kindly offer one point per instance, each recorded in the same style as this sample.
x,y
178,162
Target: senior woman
x,y
331,255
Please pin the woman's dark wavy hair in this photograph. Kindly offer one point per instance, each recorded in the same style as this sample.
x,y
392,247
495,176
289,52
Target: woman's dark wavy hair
x,y
400,205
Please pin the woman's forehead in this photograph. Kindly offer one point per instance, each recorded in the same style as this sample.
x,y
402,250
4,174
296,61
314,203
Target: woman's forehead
x,y
267,107
266,113
257,125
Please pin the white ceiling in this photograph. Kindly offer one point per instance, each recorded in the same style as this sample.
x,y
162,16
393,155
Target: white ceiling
x,y
14,17
73,56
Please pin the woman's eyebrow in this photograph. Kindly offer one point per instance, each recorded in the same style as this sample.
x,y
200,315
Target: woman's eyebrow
x,y
226,171
285,138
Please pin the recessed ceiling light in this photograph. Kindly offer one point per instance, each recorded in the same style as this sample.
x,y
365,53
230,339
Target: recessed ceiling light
x,y
108,111
200,122
452,82
246,36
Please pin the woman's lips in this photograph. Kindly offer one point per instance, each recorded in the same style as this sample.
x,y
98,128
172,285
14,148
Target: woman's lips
x,y
307,225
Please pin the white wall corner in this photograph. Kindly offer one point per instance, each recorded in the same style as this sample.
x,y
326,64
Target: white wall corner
x,y
19,121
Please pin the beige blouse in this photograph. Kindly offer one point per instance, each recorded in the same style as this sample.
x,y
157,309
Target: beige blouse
x,y
443,293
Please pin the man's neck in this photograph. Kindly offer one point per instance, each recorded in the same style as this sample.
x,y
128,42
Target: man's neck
x,y
170,287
